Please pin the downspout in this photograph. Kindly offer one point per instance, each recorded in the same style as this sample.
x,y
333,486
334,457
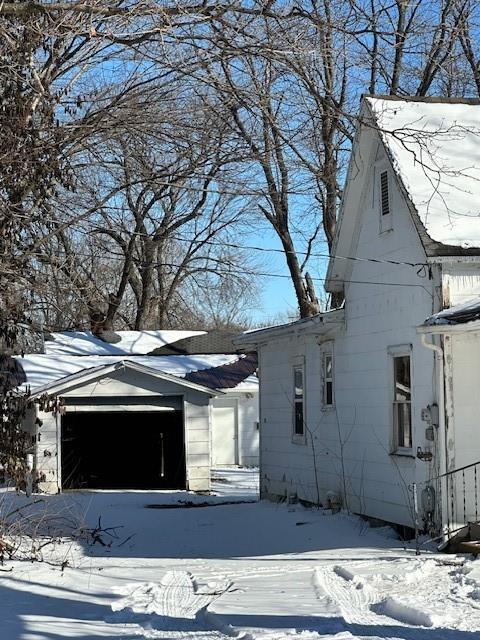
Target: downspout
x,y
442,432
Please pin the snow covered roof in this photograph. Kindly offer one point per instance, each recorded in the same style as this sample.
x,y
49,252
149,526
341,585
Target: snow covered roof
x,y
460,314
44,370
84,343
101,371
434,145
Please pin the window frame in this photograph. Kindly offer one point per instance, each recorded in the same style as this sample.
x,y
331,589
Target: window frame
x,y
397,447
328,353
298,438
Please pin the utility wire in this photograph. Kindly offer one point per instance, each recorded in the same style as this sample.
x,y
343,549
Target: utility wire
x,y
231,245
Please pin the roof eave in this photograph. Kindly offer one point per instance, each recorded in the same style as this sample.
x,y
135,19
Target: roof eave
x,y
318,324
59,386
465,327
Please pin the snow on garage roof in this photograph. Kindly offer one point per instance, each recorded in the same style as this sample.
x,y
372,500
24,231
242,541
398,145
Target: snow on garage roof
x,y
434,145
44,370
78,343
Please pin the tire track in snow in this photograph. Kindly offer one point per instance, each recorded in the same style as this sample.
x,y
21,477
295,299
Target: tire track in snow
x,y
353,597
362,607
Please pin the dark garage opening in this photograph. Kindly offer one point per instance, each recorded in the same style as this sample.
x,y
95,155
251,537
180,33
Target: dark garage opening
x,y
131,450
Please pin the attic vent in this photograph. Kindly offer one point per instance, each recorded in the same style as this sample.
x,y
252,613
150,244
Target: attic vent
x,y
385,203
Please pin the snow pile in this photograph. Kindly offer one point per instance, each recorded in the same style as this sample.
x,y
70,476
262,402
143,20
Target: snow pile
x,y
435,149
78,343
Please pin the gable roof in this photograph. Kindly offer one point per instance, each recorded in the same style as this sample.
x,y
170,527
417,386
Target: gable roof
x,y
102,370
434,147
83,343
43,371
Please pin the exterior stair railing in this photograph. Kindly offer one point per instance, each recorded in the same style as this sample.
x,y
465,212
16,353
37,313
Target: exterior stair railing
x,y
448,502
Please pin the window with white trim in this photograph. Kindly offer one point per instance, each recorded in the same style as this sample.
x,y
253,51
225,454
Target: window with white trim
x,y
328,393
402,402
298,401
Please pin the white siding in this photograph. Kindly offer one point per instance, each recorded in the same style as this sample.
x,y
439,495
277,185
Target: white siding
x,y
125,383
351,443
197,440
47,454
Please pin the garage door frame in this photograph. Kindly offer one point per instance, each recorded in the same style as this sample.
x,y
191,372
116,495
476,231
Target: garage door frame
x,y
147,408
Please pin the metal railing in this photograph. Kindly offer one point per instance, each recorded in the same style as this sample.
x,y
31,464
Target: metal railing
x,y
455,502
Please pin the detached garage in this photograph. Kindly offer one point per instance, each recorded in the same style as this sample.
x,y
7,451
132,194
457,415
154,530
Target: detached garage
x,y
123,425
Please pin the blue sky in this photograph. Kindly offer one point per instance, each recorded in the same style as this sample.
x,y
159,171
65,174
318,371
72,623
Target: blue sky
x,y
277,295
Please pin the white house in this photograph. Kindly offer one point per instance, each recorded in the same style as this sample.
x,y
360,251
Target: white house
x,y
112,416
368,405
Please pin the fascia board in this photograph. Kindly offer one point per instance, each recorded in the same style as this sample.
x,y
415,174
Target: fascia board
x,y
313,325
450,328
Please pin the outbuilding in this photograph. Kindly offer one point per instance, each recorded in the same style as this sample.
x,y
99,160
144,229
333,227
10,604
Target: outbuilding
x,y
108,416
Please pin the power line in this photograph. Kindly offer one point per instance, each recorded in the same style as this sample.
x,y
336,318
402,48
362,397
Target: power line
x,y
232,245
260,274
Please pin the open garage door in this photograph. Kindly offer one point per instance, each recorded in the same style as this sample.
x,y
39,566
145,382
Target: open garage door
x,y
132,450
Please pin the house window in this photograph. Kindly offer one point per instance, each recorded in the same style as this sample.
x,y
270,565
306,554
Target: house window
x,y
328,379
298,401
384,194
402,409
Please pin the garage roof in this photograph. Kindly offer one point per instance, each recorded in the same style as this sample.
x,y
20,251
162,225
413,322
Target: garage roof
x,y
42,372
100,371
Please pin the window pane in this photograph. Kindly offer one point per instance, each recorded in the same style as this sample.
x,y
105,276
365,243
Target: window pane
x,y
404,425
329,392
402,378
299,418
328,365
298,382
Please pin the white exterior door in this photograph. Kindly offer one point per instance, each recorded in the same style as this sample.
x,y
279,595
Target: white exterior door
x,y
224,433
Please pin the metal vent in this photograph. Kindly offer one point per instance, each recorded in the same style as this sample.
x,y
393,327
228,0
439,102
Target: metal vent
x,y
384,193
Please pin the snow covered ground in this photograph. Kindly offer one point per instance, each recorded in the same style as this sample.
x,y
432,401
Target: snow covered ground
x,y
252,570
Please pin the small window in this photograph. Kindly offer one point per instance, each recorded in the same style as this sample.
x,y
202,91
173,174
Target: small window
x,y
328,379
402,409
298,401
384,194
